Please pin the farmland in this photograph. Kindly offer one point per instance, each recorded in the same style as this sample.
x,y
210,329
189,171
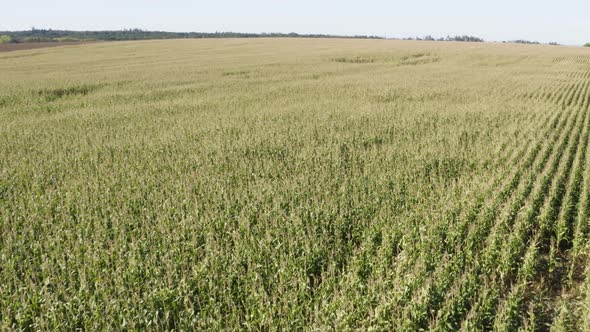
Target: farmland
x,y
295,184
26,46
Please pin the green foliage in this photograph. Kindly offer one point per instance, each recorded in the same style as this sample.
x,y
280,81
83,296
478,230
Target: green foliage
x,y
464,38
587,45
294,185
5,39
522,41
57,93
66,39
36,39
37,35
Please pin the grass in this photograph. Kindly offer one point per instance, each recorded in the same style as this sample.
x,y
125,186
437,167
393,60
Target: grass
x,y
294,184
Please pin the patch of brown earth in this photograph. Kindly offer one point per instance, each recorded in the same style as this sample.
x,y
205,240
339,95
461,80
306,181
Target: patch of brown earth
x,y
27,46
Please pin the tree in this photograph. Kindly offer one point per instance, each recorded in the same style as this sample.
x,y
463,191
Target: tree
x,y
5,39
587,45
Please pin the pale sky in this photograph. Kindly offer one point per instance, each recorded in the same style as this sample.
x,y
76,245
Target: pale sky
x,y
565,21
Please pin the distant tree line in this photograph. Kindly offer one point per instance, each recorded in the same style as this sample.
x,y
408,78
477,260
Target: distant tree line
x,y
48,35
528,42
466,38
522,41
587,45
463,38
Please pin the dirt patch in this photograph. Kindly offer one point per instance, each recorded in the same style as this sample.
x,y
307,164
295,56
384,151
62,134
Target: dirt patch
x,y
27,46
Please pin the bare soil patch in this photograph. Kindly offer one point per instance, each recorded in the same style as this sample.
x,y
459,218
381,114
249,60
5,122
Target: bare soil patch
x,y
28,46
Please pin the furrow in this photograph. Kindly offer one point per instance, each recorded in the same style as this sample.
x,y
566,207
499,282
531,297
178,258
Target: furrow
x,y
490,255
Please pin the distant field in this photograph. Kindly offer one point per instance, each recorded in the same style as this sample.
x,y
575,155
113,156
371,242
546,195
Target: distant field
x,y
295,184
28,46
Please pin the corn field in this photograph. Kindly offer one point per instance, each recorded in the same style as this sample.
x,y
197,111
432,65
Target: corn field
x,y
295,184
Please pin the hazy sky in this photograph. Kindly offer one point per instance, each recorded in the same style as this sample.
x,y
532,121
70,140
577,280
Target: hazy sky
x,y
565,21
